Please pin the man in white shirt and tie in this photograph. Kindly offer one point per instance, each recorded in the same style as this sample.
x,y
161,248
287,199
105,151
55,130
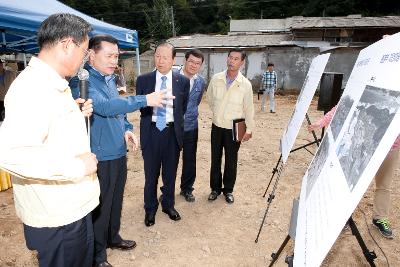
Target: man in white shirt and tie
x,y
161,132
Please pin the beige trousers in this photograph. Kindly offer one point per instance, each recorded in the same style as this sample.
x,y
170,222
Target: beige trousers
x,y
383,183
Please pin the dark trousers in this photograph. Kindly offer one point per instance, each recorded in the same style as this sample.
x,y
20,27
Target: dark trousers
x,y
69,245
189,160
107,216
2,110
221,139
161,152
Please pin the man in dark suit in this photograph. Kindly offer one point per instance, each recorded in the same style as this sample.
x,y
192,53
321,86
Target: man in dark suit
x,y
161,132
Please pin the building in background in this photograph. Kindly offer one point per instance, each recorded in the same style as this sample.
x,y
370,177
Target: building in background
x,y
290,43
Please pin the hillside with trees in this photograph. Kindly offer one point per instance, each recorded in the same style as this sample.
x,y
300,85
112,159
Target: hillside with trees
x,y
153,19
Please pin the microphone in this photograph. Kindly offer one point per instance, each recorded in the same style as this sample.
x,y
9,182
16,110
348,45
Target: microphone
x,y
83,76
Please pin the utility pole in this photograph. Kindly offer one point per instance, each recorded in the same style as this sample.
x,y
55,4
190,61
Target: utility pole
x,y
173,22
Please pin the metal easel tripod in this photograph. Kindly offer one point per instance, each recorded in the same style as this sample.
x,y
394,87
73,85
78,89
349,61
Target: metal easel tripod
x,y
278,169
370,256
316,141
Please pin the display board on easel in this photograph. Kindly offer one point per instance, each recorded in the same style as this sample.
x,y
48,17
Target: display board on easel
x,y
361,134
307,92
303,102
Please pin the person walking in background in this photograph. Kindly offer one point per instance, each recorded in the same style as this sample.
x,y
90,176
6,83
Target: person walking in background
x,y
110,134
230,96
383,180
6,78
192,64
161,132
44,143
121,82
268,85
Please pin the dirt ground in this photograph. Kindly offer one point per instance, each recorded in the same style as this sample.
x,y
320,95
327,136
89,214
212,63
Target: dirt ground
x,y
219,234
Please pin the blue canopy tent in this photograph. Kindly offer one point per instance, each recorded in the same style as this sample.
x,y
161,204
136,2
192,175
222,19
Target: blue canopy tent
x,y
20,20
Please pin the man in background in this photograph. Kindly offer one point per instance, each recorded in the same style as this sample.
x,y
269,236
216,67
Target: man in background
x,y
121,82
44,144
230,97
268,84
192,63
161,132
110,134
6,78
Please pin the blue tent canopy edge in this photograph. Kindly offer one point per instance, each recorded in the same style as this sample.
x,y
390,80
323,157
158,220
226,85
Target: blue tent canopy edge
x,y
20,20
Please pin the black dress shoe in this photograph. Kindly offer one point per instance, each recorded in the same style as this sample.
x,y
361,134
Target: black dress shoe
x,y
229,198
213,196
149,219
172,213
124,245
103,264
188,196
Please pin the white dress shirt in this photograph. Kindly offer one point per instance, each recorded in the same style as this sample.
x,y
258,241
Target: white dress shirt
x,y
194,77
170,103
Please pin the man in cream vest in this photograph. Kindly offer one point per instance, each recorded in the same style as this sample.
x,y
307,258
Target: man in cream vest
x,y
44,144
230,97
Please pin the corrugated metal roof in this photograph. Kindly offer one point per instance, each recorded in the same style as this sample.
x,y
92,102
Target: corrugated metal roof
x,y
299,22
346,22
256,25
213,41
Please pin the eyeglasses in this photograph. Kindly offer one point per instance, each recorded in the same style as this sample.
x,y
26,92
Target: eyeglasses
x,y
194,63
86,52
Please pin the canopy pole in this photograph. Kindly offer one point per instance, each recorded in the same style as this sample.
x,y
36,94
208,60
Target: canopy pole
x,y
3,34
137,61
24,60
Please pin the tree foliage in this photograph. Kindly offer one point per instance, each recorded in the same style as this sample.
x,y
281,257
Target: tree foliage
x,y
153,19
159,21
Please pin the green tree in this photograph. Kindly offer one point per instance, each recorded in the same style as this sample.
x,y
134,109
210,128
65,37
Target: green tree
x,y
185,17
152,19
159,21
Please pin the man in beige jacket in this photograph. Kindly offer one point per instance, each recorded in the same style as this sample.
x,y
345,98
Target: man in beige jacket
x,y
6,78
230,96
44,144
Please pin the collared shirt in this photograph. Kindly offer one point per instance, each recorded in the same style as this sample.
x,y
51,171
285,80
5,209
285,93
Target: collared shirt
x,y
197,86
107,78
269,80
235,103
40,139
229,81
170,103
194,77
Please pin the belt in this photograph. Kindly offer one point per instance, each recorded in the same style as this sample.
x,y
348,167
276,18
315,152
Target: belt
x,y
169,124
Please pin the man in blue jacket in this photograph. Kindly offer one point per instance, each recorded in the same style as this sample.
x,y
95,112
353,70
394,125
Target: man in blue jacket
x,y
192,63
110,133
